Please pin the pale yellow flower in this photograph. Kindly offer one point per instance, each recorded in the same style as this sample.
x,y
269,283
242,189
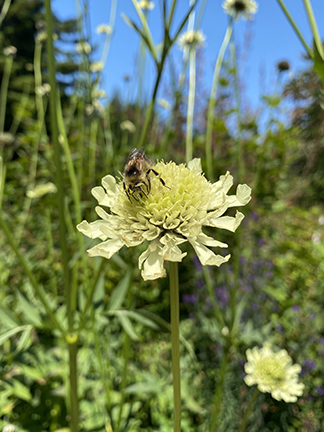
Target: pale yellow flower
x,y
146,4
273,373
169,216
96,66
104,28
191,39
83,48
128,126
41,190
238,8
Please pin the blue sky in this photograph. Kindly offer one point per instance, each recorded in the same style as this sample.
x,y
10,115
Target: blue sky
x,y
262,42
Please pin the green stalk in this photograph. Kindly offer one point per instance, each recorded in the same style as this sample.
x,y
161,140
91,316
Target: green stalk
x,y
174,305
92,151
4,90
191,104
72,341
248,410
240,161
212,100
57,158
294,26
312,22
219,391
4,10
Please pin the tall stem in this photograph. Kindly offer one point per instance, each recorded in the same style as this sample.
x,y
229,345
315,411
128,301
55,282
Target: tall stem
x,y
174,305
73,380
191,104
248,410
4,91
212,100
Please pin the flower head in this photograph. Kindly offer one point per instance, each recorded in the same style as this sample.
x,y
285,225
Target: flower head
x,y
237,8
10,51
273,373
146,4
128,126
172,213
96,66
191,39
104,28
83,48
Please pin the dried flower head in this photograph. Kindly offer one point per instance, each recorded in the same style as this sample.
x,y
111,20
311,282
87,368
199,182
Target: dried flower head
x,y
191,39
238,8
283,66
168,216
273,373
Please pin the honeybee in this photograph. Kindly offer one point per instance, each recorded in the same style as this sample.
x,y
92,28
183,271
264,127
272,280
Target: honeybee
x,y
137,182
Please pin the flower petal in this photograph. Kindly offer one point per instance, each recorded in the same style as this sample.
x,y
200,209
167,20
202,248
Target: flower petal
x,y
242,197
106,249
101,196
92,229
206,256
152,262
226,222
195,165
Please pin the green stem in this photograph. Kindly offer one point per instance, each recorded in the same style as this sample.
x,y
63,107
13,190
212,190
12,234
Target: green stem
x,y
312,22
240,161
211,292
219,391
191,104
248,410
72,341
4,91
294,26
57,158
174,305
4,10
212,100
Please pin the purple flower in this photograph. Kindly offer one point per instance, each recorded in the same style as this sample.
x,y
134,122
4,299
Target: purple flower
x,y
295,308
320,391
189,298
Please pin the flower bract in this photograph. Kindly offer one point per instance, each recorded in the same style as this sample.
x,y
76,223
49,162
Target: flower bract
x,y
169,215
273,373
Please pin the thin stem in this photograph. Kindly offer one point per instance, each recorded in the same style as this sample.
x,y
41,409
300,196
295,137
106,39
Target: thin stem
x,y
72,341
313,25
212,100
174,305
294,26
4,91
219,391
191,104
248,410
4,10
57,158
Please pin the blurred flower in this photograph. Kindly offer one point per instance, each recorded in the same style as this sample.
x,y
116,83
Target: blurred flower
x,y
43,89
96,66
191,39
97,93
164,103
41,36
41,190
83,48
273,373
10,51
6,139
166,217
146,4
321,220
40,25
283,66
128,125
104,28
9,428
189,298
236,8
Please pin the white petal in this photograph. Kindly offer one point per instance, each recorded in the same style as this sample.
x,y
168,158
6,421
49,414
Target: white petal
x,y
242,197
224,183
226,222
206,256
109,183
195,165
152,262
170,250
106,249
92,229
209,241
101,196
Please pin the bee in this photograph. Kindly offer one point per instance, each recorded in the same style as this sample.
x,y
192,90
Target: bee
x,y
137,182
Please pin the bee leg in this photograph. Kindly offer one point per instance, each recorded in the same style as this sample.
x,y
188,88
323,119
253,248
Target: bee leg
x,y
148,184
158,176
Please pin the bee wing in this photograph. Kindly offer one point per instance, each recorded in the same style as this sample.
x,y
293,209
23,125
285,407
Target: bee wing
x,y
150,161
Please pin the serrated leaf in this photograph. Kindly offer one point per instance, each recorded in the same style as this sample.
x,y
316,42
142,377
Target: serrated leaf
x,y
8,318
127,326
20,390
7,335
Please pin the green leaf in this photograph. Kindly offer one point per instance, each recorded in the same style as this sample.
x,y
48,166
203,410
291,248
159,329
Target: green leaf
x,y
20,390
119,294
29,311
276,293
7,335
127,325
8,318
